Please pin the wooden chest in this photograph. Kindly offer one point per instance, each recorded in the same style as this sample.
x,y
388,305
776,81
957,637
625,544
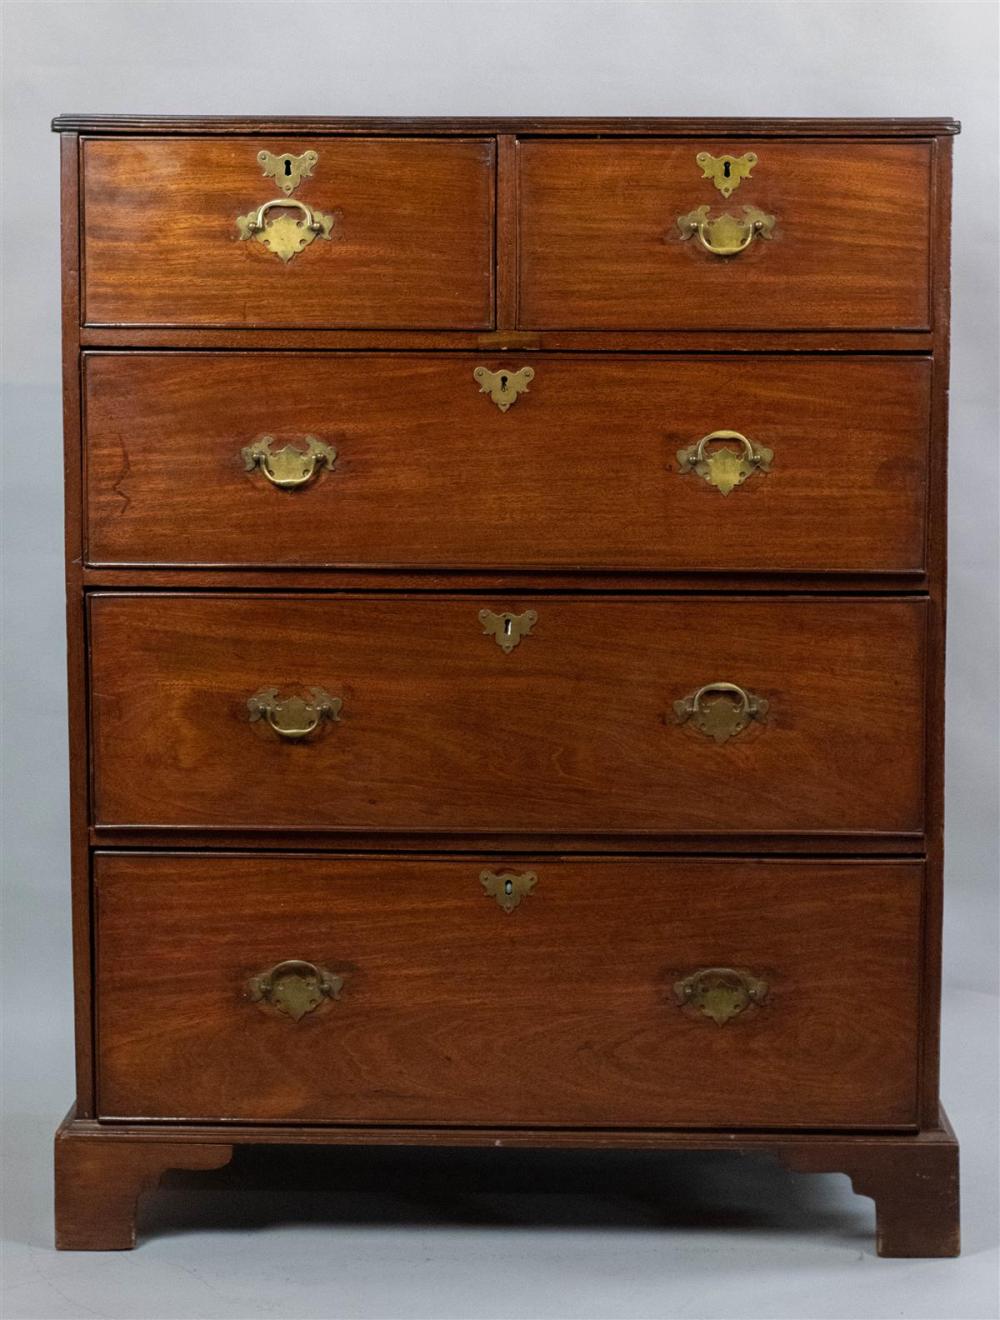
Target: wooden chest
x,y
505,570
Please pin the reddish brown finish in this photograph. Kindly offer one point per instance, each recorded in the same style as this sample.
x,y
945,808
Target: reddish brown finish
x,y
937,555
600,247
581,472
98,1184
913,1177
573,730
413,245
555,125
562,1012
913,1182
716,340
76,648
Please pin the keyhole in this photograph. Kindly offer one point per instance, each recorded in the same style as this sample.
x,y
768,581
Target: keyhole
x,y
508,627
725,169
503,382
508,886
288,168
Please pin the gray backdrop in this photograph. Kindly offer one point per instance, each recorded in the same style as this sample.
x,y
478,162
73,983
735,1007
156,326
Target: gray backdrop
x,y
470,59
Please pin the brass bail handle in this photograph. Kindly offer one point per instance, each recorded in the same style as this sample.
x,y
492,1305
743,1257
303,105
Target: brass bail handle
x,y
726,235
294,987
289,203
720,720
294,718
288,468
749,452
746,703
725,469
720,993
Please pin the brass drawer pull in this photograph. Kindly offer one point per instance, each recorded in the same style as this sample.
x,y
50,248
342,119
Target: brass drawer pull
x,y
725,236
288,468
722,718
285,236
724,468
294,988
503,387
294,717
507,629
720,993
507,888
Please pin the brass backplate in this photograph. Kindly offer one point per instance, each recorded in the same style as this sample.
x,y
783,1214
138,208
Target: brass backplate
x,y
720,710
294,717
295,988
289,467
284,235
725,469
720,993
726,172
726,235
507,888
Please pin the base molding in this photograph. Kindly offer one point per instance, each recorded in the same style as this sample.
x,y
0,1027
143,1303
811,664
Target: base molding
x,y
101,1169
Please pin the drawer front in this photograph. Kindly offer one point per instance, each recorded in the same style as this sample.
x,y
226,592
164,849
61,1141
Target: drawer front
x,y
542,715
601,246
417,467
410,240
638,993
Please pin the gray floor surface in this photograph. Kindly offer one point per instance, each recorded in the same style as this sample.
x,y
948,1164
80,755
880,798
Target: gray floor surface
x,y
498,1235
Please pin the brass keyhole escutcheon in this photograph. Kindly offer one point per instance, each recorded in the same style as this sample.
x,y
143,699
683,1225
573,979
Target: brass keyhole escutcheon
x,y
287,170
504,387
507,629
508,888
726,172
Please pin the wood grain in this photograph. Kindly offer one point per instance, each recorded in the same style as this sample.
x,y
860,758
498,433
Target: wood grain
x,y
600,247
545,125
912,1177
413,245
573,730
581,473
98,1184
510,761
561,1012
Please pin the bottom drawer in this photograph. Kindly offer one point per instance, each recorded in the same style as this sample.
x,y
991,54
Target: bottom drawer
x,y
552,991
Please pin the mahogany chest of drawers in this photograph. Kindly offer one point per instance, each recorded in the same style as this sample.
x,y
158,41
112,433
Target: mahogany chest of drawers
x,y
505,572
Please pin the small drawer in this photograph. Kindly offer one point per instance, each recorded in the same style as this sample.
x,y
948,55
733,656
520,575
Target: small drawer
x,y
634,236
374,233
600,993
546,714
812,465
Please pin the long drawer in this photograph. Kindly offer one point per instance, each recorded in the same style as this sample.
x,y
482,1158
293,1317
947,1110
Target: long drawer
x,y
601,993
545,714
404,461
644,235
374,233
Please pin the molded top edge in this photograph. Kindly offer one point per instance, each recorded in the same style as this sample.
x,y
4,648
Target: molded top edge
x,y
626,127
